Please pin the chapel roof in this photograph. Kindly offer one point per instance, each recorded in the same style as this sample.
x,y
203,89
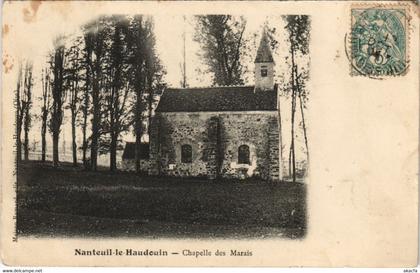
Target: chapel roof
x,y
224,98
264,53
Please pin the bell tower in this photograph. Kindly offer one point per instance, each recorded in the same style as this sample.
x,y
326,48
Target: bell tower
x,y
264,66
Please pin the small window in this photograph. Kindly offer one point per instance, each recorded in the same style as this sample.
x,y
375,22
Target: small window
x,y
264,71
243,154
186,153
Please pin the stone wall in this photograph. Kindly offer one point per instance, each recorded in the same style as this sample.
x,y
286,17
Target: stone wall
x,y
130,165
215,138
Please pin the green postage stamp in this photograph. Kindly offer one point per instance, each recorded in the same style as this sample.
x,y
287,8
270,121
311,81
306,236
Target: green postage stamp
x,y
379,41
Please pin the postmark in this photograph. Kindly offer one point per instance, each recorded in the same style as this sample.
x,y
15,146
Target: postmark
x,y
379,41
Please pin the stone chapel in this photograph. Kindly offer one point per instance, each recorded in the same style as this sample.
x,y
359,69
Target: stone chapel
x,y
218,132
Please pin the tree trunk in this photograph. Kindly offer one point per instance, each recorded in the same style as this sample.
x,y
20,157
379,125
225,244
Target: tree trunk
x,y
292,146
304,126
96,98
113,152
43,143
94,144
86,102
280,143
73,138
113,127
26,145
138,127
138,152
58,94
43,139
138,131
290,160
45,109
18,143
84,126
95,127
150,110
18,118
56,136
27,114
84,145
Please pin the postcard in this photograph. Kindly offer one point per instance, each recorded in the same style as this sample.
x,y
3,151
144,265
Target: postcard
x,y
198,133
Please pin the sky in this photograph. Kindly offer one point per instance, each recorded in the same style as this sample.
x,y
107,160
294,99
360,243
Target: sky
x,y
168,30
169,43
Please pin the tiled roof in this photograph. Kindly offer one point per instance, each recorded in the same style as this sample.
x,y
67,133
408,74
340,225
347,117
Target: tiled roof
x,y
130,152
232,98
264,53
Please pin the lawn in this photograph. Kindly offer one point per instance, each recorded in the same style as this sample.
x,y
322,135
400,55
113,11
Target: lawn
x,y
71,202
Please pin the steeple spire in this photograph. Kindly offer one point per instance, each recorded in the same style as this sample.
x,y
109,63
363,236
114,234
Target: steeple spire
x,y
264,53
264,65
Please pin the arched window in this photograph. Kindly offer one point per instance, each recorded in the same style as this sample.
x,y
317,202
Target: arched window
x,y
186,153
243,154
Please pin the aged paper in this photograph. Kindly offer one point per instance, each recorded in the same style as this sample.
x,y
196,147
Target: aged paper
x,y
210,133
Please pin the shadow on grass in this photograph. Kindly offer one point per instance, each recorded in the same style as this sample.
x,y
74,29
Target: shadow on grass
x,y
71,202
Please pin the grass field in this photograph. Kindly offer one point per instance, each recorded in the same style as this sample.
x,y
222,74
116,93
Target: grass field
x,y
71,202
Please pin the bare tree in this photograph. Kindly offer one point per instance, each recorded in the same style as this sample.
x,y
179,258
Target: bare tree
x,y
138,34
145,74
139,27
87,56
58,94
302,94
45,109
118,89
298,36
96,34
19,115
73,71
28,105
292,144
